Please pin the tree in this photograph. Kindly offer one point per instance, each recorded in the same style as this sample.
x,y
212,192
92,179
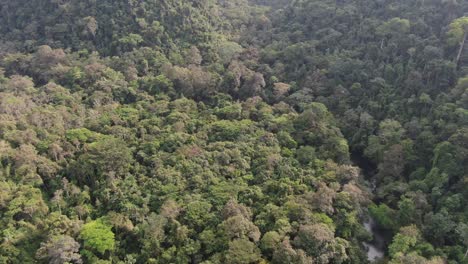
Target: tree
x,y
404,241
462,231
306,154
390,132
242,81
323,198
95,124
392,165
270,241
242,251
90,26
153,234
314,239
240,227
457,35
108,157
285,253
193,56
447,158
197,213
130,41
384,215
193,82
60,249
98,237
394,26
438,226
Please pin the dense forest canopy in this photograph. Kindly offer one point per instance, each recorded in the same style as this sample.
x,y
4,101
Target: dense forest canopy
x,y
233,131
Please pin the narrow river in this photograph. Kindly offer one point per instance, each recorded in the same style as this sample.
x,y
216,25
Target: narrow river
x,y
377,247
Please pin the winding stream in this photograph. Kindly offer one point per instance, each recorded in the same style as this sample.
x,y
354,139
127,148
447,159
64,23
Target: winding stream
x,y
377,247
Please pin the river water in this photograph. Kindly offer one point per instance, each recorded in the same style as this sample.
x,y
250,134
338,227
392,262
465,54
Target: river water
x,y
375,248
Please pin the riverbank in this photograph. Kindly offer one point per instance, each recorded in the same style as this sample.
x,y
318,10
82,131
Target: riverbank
x,y
377,247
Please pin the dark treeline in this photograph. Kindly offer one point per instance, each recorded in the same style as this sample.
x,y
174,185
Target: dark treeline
x,y
164,131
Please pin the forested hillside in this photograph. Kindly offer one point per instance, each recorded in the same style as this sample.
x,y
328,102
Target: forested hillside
x,y
216,131
396,75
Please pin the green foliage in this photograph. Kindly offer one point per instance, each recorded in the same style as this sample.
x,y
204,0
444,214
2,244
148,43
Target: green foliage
x,y
270,242
383,215
242,251
198,213
81,135
131,41
225,131
305,154
457,30
395,26
404,241
98,237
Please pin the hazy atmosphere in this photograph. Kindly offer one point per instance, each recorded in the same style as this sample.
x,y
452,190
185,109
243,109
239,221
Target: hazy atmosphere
x,y
234,131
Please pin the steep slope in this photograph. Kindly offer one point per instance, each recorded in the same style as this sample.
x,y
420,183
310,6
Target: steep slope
x,y
390,71
107,26
136,132
161,131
